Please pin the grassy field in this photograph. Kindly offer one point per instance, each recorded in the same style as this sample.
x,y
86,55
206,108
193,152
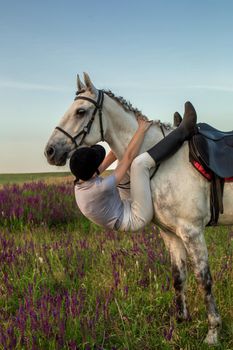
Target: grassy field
x,y
67,284
47,177
20,178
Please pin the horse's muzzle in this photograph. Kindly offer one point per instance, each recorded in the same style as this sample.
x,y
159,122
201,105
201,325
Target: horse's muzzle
x,y
54,157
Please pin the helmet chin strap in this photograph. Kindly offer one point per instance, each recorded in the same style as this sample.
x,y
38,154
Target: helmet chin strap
x,y
86,130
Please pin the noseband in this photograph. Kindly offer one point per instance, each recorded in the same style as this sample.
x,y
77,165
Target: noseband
x,y
85,131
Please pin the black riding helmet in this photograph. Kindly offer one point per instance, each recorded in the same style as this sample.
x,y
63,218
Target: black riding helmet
x,y
85,161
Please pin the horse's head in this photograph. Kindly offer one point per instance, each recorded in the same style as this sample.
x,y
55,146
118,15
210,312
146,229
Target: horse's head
x,y
81,125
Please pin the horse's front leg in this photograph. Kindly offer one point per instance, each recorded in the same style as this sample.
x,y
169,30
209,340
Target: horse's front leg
x,y
194,242
177,252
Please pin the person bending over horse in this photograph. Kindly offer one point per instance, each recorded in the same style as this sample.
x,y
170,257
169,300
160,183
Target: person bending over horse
x,y
98,198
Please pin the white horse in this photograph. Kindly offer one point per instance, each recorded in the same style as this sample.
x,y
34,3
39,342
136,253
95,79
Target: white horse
x,y
180,194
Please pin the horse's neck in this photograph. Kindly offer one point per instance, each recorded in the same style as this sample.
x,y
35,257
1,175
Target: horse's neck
x,y
121,126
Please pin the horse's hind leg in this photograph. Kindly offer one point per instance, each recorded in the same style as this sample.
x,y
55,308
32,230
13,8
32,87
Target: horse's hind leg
x,y
194,242
177,252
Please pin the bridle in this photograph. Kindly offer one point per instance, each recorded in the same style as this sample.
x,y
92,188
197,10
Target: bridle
x,y
85,131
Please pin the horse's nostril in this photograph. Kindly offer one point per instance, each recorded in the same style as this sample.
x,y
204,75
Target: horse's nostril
x,y
50,152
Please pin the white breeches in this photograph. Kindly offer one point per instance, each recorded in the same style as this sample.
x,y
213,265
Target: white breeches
x,y
138,210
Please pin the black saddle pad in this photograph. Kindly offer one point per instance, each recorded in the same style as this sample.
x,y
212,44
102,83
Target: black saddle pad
x,y
214,154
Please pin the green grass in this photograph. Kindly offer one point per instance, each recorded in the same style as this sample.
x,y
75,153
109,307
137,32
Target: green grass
x,y
27,177
130,290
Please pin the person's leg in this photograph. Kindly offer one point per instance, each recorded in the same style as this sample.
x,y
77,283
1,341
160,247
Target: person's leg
x,y
139,211
172,142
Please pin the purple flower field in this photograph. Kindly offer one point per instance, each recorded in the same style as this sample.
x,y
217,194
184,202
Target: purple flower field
x,y
80,287
37,203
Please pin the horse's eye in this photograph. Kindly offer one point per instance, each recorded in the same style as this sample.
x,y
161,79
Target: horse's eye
x,y
80,112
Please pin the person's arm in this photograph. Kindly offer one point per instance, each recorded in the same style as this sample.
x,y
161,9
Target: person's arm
x,y
108,160
132,149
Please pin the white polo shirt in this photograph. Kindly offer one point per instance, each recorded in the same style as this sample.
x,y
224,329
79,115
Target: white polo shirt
x,y
99,200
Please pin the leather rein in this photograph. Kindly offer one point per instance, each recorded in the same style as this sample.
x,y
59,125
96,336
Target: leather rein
x,y
85,131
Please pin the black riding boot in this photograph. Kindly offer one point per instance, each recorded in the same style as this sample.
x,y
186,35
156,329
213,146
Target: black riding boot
x,y
172,142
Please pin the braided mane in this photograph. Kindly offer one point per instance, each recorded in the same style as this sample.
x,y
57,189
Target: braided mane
x,y
127,106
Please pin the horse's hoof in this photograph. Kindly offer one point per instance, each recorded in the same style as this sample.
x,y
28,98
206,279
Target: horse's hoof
x,y
181,319
212,337
183,316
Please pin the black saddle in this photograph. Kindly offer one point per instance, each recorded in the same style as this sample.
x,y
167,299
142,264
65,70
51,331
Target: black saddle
x,y
212,133
213,149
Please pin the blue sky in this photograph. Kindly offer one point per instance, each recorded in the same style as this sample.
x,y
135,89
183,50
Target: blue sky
x,y
157,54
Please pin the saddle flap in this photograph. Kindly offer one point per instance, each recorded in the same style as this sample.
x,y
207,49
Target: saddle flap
x,y
216,155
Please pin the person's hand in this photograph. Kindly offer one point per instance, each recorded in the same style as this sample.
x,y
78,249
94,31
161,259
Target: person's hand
x,y
144,124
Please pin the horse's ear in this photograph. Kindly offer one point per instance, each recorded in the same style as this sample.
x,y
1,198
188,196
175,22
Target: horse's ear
x,y
80,85
89,83
177,119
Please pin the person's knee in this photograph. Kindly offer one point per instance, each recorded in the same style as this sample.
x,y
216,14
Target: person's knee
x,y
143,161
